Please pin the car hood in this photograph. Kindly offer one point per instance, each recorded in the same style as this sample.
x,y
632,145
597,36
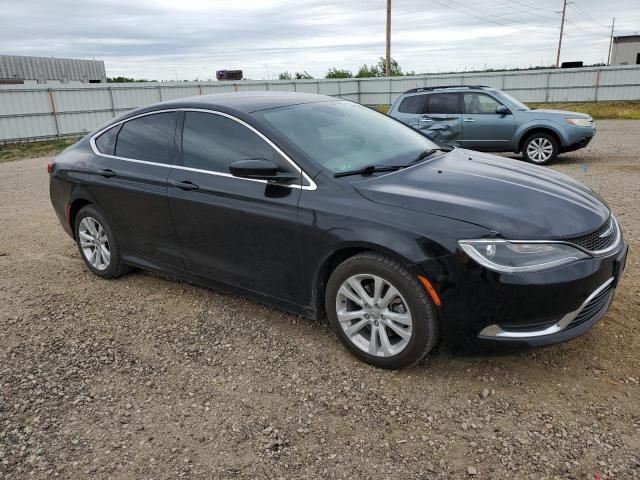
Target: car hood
x,y
515,199
556,113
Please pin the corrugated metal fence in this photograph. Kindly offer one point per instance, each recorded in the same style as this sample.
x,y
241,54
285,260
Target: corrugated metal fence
x,y
28,113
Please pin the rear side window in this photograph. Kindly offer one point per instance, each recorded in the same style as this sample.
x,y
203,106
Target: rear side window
x,y
444,103
106,143
146,138
413,104
213,142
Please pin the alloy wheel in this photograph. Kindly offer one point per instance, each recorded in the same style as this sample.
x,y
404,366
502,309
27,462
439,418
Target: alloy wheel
x,y
94,243
540,149
373,315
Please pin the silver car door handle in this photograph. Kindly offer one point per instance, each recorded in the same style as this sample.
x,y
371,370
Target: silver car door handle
x,y
469,120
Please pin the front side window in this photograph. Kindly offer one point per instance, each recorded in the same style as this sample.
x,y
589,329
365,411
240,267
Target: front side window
x,y
478,103
340,135
146,138
213,142
413,104
444,103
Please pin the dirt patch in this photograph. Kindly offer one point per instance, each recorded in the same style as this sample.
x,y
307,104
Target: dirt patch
x,y
145,377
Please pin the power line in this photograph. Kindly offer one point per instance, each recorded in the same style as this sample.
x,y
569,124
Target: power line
x,y
579,10
485,19
527,12
532,7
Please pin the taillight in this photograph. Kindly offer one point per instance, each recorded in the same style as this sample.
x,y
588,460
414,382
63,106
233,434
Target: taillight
x,y
49,167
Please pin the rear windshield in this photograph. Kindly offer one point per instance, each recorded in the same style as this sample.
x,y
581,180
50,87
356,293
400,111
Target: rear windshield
x,y
343,135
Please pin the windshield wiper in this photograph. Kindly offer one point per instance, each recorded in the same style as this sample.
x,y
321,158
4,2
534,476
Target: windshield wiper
x,y
425,154
369,170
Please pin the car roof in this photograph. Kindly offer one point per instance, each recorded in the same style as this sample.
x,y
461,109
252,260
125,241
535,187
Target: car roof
x,y
244,102
449,88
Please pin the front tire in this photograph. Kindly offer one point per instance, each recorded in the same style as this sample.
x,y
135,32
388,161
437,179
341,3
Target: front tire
x,y
540,148
381,312
97,244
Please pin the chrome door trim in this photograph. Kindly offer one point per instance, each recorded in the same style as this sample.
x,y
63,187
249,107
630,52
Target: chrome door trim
x,y
92,141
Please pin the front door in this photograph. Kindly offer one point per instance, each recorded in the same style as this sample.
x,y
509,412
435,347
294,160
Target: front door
x,y
237,231
482,127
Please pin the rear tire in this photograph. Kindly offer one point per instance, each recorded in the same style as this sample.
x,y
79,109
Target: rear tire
x,y
540,148
97,243
380,311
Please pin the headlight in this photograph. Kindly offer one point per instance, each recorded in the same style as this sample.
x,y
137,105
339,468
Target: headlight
x,y
511,257
579,122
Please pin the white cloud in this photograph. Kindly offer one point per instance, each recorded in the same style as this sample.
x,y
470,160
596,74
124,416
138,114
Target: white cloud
x,y
151,38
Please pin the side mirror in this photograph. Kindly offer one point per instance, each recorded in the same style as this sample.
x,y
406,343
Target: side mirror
x,y
260,169
502,110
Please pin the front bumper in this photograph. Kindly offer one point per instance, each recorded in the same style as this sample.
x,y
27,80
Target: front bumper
x,y
530,309
578,137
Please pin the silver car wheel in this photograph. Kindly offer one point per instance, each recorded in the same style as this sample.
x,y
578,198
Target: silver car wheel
x,y
374,316
540,149
94,243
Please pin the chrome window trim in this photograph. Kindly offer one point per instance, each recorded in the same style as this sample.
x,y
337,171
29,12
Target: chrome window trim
x,y
495,331
92,141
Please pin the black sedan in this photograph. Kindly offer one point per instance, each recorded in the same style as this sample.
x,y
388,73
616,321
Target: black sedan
x,y
321,206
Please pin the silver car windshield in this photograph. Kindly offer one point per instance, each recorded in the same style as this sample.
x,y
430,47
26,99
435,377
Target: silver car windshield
x,y
343,136
513,102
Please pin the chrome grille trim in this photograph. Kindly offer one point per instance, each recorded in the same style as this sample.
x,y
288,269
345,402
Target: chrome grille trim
x,y
601,241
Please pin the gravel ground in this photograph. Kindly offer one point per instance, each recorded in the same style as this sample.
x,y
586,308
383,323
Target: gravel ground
x,y
146,377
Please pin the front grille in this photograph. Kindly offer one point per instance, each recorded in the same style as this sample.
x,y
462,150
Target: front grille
x,y
594,308
595,241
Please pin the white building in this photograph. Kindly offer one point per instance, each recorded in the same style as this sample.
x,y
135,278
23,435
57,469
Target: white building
x,y
626,50
31,70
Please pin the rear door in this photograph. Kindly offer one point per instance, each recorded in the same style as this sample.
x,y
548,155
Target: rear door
x,y
411,109
237,231
482,127
128,179
441,117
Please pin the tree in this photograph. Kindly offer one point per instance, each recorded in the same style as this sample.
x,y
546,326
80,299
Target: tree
x,y
298,76
303,76
127,80
396,71
379,69
338,73
365,71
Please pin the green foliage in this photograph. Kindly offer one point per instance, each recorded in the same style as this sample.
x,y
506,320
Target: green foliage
x,y
17,151
298,76
127,80
380,69
338,73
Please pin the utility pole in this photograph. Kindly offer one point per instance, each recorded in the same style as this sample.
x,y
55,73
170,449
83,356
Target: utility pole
x,y
613,24
388,57
564,11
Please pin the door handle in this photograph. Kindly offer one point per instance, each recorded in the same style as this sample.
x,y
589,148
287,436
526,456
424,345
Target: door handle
x,y
469,120
107,173
185,185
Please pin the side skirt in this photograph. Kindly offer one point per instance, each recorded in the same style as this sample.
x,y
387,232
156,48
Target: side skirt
x,y
189,277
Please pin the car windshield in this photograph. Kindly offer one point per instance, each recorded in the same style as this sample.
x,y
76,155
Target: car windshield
x,y
515,103
343,136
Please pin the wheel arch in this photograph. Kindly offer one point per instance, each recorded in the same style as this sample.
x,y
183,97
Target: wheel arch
x,y
335,258
523,136
72,211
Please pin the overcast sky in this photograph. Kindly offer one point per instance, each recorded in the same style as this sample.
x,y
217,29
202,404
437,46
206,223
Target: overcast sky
x,y
162,39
